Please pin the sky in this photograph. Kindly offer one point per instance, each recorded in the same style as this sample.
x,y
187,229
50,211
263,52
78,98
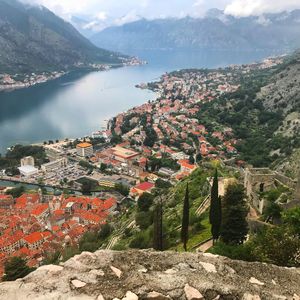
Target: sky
x,y
98,14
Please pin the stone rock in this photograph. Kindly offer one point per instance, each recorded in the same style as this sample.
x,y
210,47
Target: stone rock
x,y
156,296
117,271
142,270
100,297
171,271
248,296
86,276
253,280
78,284
191,293
210,268
51,268
130,296
97,273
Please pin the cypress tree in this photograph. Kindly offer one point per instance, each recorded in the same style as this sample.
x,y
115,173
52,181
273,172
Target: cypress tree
x,y
234,224
147,166
215,212
158,228
185,219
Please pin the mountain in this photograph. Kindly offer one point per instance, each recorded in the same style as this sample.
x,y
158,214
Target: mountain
x,y
214,31
34,39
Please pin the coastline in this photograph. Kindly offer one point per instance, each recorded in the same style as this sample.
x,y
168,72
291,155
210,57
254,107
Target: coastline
x,y
13,85
9,83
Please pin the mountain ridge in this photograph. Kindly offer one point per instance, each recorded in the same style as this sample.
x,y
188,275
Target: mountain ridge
x,y
214,31
34,39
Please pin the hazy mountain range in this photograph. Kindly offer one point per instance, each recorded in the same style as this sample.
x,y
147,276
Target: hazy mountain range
x,y
33,39
214,31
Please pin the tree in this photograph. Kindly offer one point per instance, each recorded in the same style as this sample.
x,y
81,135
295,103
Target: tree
x,y
103,167
198,157
86,187
16,192
146,166
158,227
144,219
185,219
191,159
291,218
105,231
145,201
215,212
234,225
277,245
122,189
16,268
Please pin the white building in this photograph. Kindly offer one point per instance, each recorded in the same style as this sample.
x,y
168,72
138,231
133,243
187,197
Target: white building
x,y
54,165
28,171
27,161
27,168
85,149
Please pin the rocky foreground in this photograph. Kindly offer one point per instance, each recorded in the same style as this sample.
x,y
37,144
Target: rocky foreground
x,y
158,276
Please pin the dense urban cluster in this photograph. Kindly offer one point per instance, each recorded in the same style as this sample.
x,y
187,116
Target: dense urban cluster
x,y
156,144
35,225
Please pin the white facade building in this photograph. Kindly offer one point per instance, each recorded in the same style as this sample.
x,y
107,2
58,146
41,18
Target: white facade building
x,y
54,165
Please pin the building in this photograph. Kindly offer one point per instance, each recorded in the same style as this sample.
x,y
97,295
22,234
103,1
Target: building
x,y
107,182
27,161
186,166
140,189
85,149
33,240
124,155
28,171
54,165
6,201
27,168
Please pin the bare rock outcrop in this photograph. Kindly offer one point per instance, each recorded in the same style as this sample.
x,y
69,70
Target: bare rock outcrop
x,y
154,275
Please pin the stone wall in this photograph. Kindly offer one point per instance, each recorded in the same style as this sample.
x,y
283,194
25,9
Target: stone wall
x,y
149,275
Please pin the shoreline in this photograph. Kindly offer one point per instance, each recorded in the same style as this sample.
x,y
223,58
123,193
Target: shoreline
x,y
146,86
8,82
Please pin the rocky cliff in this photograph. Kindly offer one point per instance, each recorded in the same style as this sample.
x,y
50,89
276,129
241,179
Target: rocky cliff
x,y
152,275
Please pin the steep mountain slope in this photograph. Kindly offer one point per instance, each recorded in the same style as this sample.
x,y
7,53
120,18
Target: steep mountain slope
x,y
34,39
265,115
215,31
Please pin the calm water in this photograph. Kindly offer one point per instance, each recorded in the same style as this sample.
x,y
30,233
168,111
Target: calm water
x,y
77,104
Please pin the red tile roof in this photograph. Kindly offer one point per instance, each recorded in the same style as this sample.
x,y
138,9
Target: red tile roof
x,y
145,186
33,238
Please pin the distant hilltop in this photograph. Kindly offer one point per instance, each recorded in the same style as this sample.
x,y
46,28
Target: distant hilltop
x,y
214,31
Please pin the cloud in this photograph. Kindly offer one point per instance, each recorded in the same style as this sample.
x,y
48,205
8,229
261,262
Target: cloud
x,y
102,15
129,17
245,8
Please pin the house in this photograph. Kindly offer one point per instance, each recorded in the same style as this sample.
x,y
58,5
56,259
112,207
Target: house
x,y
140,189
41,211
34,240
185,166
6,201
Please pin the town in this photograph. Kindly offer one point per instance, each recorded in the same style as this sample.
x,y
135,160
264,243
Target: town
x,y
88,179
20,81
